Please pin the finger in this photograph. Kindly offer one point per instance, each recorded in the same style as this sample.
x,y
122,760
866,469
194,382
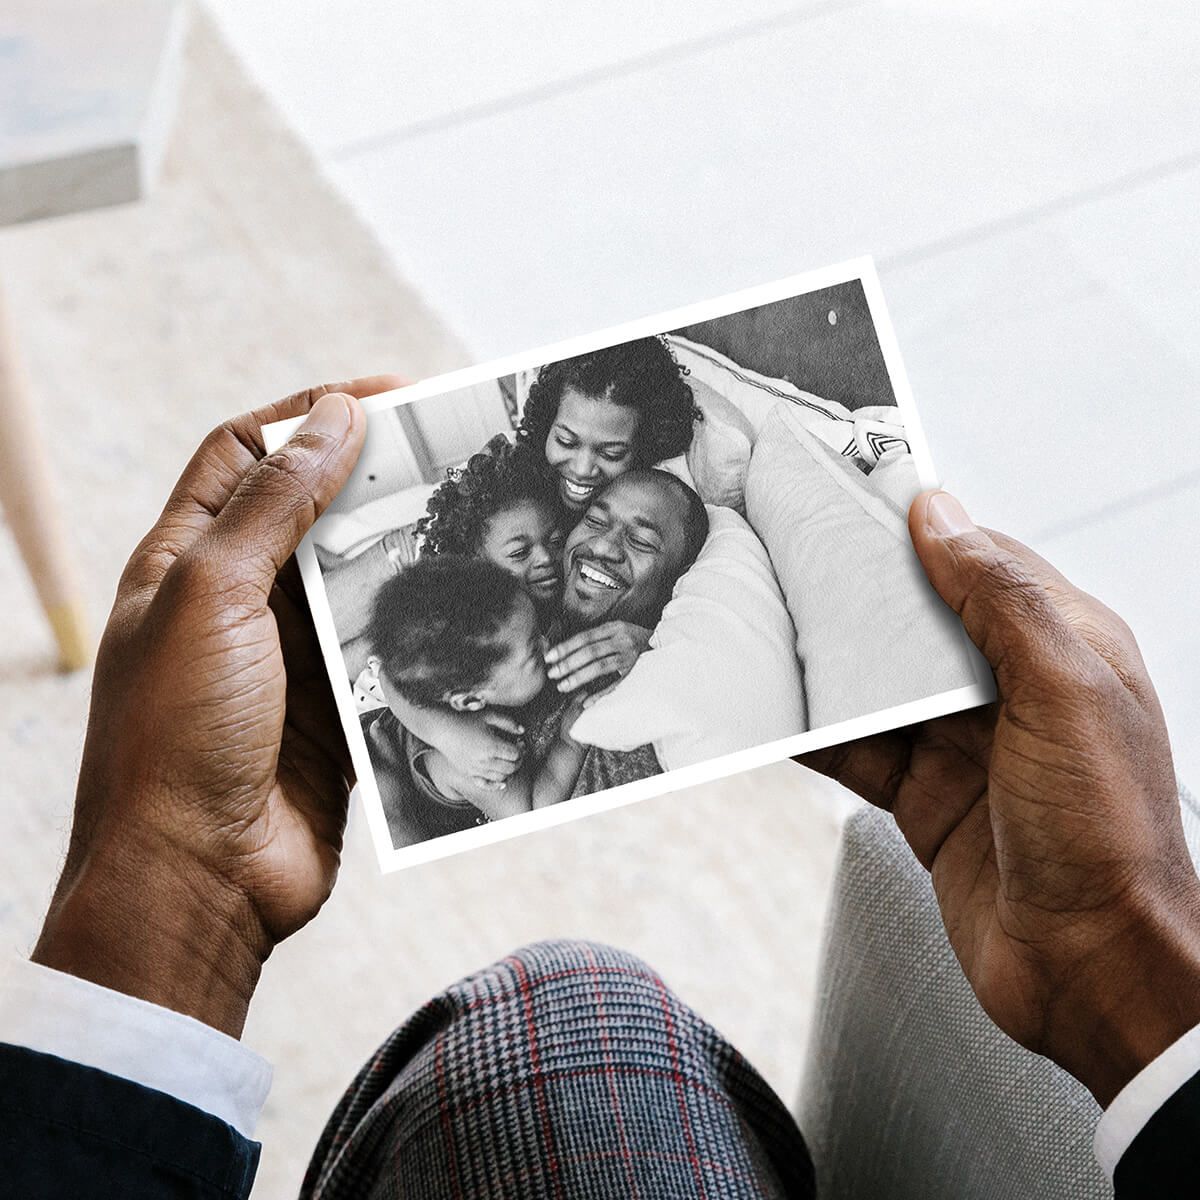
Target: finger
x,y
597,669
297,638
277,502
291,585
1005,608
503,722
580,658
873,767
1103,630
572,644
218,466
505,753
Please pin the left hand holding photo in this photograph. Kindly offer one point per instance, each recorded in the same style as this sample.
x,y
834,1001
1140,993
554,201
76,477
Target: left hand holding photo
x,y
213,789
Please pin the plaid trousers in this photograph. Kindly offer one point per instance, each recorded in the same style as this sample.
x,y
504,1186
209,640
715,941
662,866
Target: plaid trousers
x,y
567,1070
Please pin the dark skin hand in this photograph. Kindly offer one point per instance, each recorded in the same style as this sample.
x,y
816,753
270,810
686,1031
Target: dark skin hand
x,y
213,790
212,794
1049,819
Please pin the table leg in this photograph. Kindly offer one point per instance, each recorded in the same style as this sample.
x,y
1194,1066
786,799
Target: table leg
x,y
30,502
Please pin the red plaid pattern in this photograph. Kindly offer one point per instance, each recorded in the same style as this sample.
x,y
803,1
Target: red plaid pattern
x,y
567,1070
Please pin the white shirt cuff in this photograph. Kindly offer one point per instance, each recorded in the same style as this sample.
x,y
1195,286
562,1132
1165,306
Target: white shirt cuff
x,y
1143,1096
55,1013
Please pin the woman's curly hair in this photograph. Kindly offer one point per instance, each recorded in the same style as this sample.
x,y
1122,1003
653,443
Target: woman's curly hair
x,y
459,509
642,374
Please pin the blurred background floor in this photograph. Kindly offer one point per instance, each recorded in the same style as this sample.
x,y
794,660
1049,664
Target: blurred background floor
x,y
1028,179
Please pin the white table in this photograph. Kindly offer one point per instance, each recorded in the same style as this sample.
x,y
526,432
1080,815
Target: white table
x,y
87,89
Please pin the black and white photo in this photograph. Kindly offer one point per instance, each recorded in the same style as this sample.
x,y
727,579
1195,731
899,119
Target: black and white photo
x,y
630,562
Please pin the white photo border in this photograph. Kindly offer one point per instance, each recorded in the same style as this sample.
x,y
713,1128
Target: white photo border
x,y
861,270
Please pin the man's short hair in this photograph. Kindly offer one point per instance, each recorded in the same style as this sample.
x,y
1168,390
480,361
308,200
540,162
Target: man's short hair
x,y
695,528
434,626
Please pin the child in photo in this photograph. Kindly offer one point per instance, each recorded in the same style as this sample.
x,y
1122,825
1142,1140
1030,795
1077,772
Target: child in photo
x,y
459,636
493,510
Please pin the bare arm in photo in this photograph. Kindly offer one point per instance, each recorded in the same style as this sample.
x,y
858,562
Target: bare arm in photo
x,y
550,781
483,747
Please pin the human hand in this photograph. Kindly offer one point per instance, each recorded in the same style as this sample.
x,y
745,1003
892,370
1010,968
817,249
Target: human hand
x,y
1050,819
492,747
212,793
608,649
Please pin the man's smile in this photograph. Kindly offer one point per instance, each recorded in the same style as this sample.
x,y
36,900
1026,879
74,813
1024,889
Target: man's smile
x,y
589,577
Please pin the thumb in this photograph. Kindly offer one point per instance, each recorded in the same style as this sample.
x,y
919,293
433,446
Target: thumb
x,y
280,497
1004,605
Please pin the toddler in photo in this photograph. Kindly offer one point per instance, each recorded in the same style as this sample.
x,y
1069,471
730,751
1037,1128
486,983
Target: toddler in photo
x,y
449,636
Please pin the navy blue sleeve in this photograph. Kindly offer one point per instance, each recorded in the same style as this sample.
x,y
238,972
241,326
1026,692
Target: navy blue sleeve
x,y
1163,1161
71,1131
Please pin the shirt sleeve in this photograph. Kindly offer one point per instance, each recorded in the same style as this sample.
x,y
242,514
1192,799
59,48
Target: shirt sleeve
x,y
1143,1096
55,1013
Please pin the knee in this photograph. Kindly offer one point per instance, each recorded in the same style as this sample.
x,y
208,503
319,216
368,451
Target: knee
x,y
546,977
564,957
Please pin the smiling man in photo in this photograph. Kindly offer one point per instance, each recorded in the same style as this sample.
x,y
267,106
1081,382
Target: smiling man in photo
x,y
620,564
633,542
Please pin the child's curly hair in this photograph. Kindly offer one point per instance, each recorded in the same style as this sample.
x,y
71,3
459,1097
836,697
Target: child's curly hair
x,y
491,481
642,374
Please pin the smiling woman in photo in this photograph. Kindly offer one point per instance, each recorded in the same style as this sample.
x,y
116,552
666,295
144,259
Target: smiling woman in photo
x,y
591,418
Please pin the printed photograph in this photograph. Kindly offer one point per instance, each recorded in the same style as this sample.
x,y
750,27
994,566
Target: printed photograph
x,y
658,559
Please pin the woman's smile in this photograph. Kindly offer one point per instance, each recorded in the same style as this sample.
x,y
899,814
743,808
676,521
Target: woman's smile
x,y
589,445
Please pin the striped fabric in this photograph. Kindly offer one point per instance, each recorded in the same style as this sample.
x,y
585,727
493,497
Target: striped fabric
x,y
567,1070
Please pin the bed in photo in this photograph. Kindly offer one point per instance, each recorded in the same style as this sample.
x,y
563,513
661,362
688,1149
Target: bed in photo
x,y
631,562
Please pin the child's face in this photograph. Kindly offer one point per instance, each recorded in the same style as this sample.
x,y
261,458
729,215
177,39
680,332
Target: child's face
x,y
525,541
589,444
521,674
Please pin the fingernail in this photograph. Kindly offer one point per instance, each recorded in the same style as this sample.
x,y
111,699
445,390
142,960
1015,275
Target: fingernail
x,y
553,672
946,517
330,416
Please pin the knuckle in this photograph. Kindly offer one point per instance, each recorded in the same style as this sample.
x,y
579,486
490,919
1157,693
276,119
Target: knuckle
x,y
243,430
305,398
283,475
191,581
205,578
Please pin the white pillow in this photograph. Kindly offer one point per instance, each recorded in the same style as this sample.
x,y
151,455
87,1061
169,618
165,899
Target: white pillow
x,y
721,672
350,533
719,455
870,631
755,395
